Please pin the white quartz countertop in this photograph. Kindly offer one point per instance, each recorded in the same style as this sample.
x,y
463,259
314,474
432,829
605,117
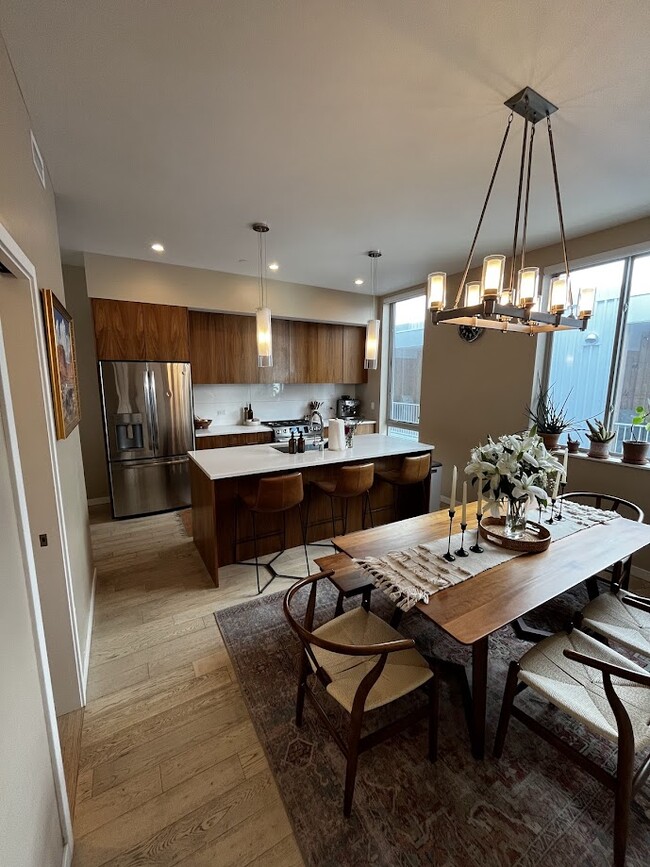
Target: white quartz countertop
x,y
254,460
220,430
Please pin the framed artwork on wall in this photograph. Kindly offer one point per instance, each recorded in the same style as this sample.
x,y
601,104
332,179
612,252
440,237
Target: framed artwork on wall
x,y
59,332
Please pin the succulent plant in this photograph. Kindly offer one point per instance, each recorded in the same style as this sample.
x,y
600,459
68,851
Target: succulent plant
x,y
598,432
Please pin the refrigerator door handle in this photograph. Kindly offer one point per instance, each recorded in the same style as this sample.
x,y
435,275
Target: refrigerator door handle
x,y
152,462
147,401
154,410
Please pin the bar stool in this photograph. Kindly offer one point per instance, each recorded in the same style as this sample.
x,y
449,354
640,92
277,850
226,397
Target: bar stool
x,y
274,494
414,471
352,481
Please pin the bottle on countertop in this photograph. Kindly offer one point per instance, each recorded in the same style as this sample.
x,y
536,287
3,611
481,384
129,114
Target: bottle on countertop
x,y
250,415
292,444
301,444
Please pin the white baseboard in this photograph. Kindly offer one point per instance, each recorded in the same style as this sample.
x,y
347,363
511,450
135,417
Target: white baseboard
x,y
641,574
67,854
89,636
99,501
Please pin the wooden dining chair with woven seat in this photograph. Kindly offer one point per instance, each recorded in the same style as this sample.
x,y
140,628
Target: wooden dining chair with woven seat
x,y
413,471
364,664
625,508
273,494
350,482
618,616
602,689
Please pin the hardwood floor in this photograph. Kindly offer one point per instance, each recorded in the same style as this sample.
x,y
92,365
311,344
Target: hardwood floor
x,y
171,770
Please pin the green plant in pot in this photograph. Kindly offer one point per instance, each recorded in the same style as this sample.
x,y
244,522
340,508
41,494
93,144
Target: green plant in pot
x,y
635,451
573,445
549,417
599,437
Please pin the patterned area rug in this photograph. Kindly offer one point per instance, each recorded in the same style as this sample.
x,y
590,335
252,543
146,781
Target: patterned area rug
x,y
530,808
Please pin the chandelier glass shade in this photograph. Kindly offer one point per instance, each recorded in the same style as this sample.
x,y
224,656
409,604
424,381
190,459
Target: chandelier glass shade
x,y
500,301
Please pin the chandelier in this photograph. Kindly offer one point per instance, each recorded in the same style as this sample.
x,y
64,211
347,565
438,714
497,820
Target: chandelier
x,y
515,304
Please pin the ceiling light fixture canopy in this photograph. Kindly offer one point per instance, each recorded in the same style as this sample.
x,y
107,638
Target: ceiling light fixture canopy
x,y
515,304
373,326
263,312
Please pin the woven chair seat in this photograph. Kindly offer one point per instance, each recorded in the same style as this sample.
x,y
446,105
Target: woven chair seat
x,y
579,691
608,615
404,671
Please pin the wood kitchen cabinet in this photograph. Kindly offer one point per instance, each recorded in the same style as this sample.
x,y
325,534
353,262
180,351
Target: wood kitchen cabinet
x,y
223,348
354,350
316,352
132,331
226,441
119,330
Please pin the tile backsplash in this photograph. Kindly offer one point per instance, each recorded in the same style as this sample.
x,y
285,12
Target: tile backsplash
x,y
224,403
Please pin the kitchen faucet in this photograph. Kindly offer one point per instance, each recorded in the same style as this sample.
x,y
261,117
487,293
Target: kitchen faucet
x,y
311,424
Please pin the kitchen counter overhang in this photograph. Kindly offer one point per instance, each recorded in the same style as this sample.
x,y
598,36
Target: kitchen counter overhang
x,y
220,476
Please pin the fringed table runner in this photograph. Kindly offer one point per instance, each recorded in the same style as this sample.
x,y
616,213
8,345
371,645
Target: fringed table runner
x,y
414,574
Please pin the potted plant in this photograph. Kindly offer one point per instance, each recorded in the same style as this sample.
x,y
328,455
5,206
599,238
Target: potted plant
x,y
549,417
572,445
635,451
600,437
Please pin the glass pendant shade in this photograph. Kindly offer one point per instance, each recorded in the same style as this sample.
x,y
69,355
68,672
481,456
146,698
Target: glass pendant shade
x,y
586,302
372,344
558,294
436,289
527,286
472,293
264,337
492,279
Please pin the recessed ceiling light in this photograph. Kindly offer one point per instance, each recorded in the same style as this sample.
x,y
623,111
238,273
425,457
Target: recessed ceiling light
x,y
158,247
358,282
273,266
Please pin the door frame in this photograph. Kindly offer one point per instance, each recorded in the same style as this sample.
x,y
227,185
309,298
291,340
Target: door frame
x,y
21,267
34,602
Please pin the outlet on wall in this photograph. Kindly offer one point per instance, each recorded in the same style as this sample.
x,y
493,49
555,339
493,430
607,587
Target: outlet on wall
x,y
372,405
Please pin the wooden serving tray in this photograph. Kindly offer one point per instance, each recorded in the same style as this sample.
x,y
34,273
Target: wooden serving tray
x,y
536,539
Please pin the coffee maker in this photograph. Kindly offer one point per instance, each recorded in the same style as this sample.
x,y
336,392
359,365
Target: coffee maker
x,y
348,407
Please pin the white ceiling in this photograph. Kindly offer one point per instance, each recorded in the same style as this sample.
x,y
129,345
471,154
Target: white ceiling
x,y
346,125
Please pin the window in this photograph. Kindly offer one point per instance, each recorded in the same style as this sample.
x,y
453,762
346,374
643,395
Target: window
x,y
405,366
605,370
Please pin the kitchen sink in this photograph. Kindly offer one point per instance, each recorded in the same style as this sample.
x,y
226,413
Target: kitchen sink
x,y
309,446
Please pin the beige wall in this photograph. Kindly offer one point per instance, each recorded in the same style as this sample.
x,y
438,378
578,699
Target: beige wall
x,y
91,428
472,390
30,831
159,283
27,213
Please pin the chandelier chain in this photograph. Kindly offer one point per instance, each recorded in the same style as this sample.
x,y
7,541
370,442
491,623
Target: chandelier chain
x,y
527,199
558,201
485,204
520,186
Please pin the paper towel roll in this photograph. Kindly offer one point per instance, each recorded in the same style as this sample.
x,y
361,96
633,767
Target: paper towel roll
x,y
336,435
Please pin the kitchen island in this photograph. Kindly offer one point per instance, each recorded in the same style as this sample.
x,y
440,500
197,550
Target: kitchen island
x,y
219,476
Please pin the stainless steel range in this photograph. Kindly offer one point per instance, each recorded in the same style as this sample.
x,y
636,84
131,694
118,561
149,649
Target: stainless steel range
x,y
312,431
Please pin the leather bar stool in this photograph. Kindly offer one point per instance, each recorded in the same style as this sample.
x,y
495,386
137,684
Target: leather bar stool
x,y
275,494
350,482
414,471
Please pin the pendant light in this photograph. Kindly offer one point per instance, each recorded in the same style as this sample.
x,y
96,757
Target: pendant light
x,y
263,312
372,328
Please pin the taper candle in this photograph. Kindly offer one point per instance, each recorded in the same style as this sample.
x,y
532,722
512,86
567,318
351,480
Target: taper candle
x,y
452,498
479,504
566,465
463,516
556,486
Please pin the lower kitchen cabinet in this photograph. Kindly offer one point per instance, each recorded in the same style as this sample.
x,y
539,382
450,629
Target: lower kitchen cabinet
x,y
228,440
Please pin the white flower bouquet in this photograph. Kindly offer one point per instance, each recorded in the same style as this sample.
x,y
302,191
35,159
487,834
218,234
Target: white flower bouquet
x,y
516,468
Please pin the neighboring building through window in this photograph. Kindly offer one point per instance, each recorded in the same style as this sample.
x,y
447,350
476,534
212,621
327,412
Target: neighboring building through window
x,y
605,370
406,338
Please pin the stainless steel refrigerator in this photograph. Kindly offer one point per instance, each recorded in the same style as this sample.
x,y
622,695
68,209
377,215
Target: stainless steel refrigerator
x,y
148,425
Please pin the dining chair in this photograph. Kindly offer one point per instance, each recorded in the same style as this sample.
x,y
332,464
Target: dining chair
x,y
625,508
618,616
604,691
363,664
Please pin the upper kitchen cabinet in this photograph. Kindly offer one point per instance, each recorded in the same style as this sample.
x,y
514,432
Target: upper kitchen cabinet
x,y
119,330
316,352
131,331
354,348
166,333
223,348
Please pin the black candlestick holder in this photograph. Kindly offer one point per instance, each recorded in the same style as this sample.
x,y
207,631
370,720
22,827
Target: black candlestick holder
x,y
552,519
476,548
461,552
449,557
559,516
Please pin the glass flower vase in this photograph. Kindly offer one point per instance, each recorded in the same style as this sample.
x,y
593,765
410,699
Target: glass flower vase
x,y
516,518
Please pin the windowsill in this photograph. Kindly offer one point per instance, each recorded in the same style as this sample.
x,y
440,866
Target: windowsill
x,y
583,456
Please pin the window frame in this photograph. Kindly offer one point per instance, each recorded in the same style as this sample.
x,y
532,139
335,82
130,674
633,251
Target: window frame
x,y
389,303
628,256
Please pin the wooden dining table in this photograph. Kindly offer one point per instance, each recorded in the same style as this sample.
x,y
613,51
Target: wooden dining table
x,y
471,611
